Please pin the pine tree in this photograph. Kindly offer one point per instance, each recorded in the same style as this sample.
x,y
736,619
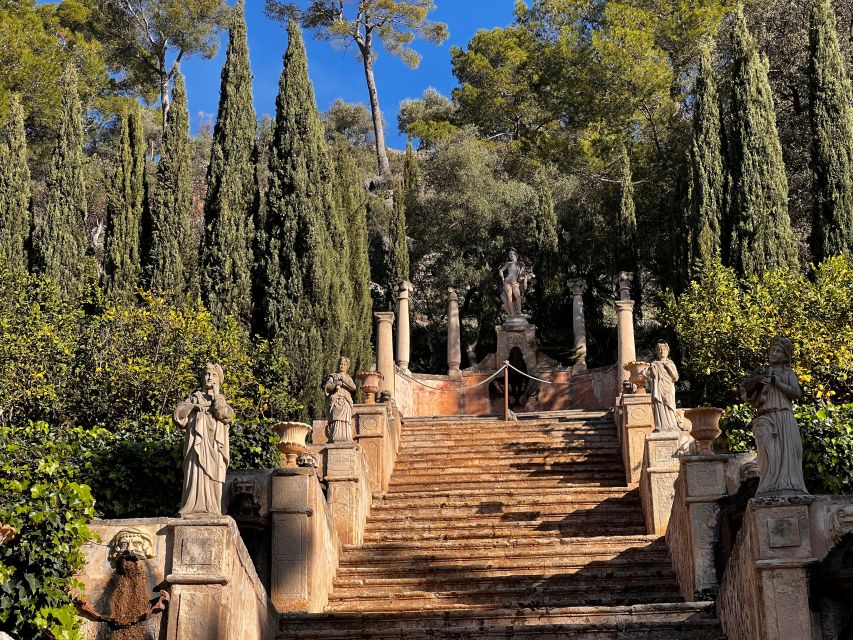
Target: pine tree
x,y
226,251
122,263
626,227
397,256
352,203
831,113
762,238
706,193
15,190
171,254
60,242
297,259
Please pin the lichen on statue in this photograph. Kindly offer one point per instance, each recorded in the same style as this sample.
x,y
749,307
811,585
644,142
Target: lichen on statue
x,y
207,417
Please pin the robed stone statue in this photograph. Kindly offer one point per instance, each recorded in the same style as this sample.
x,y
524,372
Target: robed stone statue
x,y
662,376
339,388
207,417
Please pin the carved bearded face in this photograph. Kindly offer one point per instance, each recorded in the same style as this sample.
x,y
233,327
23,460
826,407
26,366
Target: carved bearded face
x,y
133,543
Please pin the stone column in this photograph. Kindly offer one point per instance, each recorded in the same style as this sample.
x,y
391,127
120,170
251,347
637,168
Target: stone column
x,y
385,349
454,335
403,339
577,286
624,326
198,580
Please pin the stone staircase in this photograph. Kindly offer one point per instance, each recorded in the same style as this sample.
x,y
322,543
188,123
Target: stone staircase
x,y
507,530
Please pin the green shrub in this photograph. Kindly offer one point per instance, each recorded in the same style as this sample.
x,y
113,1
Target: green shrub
x,y
42,497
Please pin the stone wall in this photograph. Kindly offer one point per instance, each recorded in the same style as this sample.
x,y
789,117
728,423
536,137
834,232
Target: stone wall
x,y
212,588
678,540
738,605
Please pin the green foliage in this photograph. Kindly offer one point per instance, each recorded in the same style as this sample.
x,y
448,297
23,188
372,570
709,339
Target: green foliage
x,y
42,498
762,238
724,327
428,118
296,257
122,261
706,201
171,265
831,113
350,121
15,190
226,250
626,222
59,239
397,257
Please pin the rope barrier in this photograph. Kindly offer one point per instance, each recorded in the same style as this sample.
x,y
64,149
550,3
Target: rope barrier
x,y
437,390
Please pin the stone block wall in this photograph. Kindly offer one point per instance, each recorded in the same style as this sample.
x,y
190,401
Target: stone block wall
x,y
738,605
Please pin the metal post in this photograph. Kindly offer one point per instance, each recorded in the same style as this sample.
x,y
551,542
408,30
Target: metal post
x,y
506,392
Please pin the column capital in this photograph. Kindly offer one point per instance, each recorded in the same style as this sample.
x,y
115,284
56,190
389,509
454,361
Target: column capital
x,y
384,317
623,281
404,286
452,294
577,286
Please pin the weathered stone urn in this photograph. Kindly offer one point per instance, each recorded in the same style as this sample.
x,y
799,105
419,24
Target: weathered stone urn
x,y
638,375
370,385
292,436
705,426
7,533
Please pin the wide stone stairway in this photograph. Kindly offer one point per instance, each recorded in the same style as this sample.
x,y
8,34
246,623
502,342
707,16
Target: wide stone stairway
x,y
508,530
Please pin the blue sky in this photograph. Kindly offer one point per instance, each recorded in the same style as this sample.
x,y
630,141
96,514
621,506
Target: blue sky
x,y
337,73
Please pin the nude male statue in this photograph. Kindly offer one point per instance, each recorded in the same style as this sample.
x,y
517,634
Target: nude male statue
x,y
514,277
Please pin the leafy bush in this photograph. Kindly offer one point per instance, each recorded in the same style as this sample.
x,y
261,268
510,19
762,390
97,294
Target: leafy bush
x,y
724,327
42,497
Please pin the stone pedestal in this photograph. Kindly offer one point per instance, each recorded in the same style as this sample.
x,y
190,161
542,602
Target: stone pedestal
x,y
657,488
403,322
454,335
348,493
577,286
375,440
198,606
705,485
385,350
637,421
523,336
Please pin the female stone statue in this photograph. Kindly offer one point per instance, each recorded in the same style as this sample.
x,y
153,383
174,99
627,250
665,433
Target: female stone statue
x,y
339,388
207,418
772,390
662,376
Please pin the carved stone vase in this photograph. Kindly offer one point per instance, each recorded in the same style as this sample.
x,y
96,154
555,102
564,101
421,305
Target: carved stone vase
x,y
370,385
7,533
705,426
638,375
292,436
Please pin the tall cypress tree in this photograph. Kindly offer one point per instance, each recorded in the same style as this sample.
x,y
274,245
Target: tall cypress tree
x,y
122,263
171,253
60,242
15,190
397,257
226,250
706,193
411,177
626,226
352,203
297,259
831,113
762,237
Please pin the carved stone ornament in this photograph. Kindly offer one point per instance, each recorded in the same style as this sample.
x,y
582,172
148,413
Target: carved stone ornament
x,y
840,523
7,533
245,496
133,542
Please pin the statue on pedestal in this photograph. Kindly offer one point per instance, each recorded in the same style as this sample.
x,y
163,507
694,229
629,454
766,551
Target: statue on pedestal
x,y
772,390
339,388
515,277
206,417
662,376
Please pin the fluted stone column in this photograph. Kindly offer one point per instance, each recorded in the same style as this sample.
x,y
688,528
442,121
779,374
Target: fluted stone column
x,y
454,335
404,288
625,324
385,349
577,286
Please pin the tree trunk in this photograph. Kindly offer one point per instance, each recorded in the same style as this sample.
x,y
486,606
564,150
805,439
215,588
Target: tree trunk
x,y
381,153
164,97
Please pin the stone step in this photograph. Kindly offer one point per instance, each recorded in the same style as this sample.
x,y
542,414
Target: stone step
x,y
499,515
558,529
577,465
419,486
445,577
495,429
465,495
668,620
507,479
527,435
476,458
535,444
500,504
517,593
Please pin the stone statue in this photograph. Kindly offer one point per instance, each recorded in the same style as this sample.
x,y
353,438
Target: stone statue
x,y
207,419
339,388
662,376
515,277
772,390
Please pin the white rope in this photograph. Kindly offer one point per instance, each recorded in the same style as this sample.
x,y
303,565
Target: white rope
x,y
437,390
506,363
